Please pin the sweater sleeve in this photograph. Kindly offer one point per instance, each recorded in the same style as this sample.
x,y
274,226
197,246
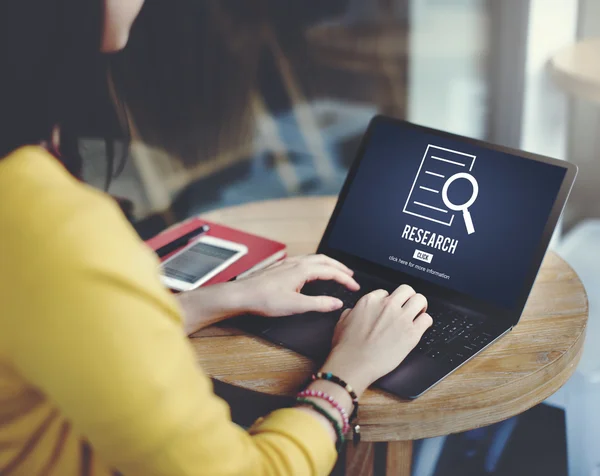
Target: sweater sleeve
x,y
99,335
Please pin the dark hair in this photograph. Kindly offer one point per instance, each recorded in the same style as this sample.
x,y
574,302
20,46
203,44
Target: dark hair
x,y
186,92
188,73
53,74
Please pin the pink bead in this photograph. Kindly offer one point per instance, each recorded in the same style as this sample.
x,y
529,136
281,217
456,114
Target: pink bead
x,y
331,400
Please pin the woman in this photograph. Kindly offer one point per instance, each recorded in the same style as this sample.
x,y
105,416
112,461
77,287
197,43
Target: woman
x,y
96,374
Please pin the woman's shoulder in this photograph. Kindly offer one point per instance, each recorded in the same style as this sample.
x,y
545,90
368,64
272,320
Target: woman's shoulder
x,y
34,184
31,179
50,212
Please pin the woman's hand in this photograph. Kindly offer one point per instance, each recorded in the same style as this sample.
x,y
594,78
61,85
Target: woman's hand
x,y
372,339
272,292
275,291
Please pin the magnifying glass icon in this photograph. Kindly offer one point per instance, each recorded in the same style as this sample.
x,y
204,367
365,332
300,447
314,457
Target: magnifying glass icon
x,y
464,208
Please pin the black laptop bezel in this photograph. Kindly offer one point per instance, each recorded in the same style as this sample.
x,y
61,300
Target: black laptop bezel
x,y
508,317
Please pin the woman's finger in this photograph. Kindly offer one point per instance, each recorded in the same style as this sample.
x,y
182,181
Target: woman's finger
x,y
380,293
301,303
423,322
399,298
324,259
324,272
376,295
415,305
345,314
403,292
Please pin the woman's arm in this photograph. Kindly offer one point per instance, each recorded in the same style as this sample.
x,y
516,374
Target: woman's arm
x,y
99,336
121,370
272,292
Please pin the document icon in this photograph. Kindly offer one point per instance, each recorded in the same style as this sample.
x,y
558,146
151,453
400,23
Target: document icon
x,y
428,196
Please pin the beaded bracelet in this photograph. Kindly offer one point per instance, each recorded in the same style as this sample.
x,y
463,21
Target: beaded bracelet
x,y
338,381
336,424
332,402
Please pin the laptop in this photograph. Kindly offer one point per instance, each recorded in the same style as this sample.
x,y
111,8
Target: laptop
x,y
464,222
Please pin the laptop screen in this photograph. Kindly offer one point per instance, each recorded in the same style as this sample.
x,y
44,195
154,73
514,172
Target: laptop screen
x,y
454,213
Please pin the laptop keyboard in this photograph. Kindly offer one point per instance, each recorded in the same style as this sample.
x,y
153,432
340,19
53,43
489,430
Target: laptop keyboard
x,y
453,337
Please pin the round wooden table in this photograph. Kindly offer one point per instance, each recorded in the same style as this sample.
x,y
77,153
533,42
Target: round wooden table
x,y
521,370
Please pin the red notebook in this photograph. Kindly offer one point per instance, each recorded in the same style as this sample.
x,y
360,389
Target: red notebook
x,y
262,252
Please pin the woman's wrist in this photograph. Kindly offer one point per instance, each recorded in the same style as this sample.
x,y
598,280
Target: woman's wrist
x,y
351,370
251,297
204,307
338,408
341,396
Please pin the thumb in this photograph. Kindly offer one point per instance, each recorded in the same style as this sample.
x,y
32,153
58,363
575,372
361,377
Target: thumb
x,y
345,314
302,303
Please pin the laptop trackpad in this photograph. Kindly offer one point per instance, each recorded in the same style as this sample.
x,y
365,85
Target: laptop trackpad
x,y
413,376
309,334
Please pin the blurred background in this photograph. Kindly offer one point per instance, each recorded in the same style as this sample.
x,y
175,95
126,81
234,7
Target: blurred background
x,y
236,101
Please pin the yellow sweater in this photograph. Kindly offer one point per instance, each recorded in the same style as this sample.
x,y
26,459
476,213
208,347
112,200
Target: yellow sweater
x,y
96,374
